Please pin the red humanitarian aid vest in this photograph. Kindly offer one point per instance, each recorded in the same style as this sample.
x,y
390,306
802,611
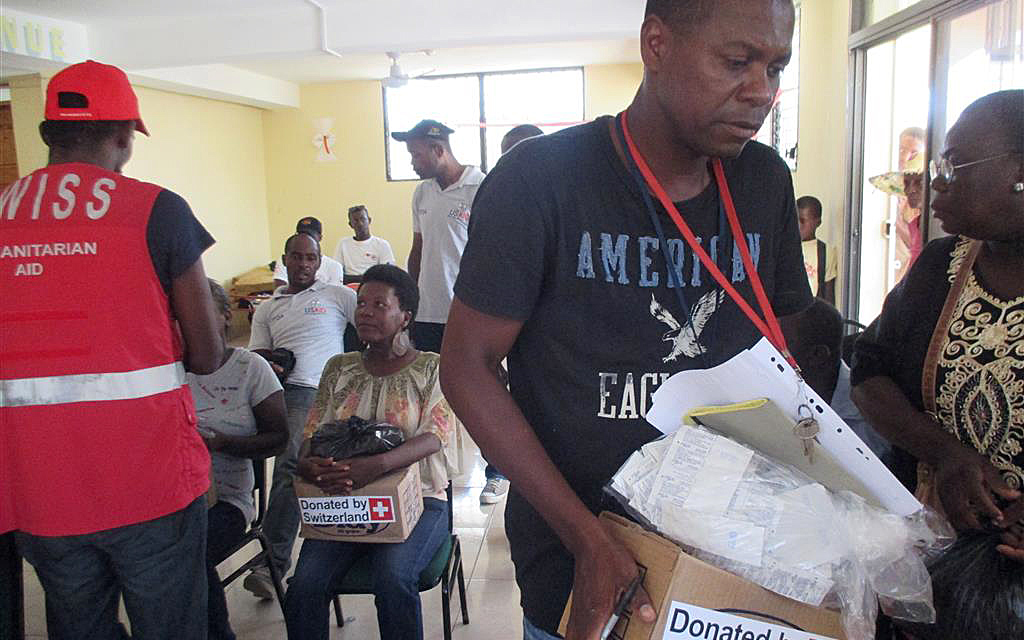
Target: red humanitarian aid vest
x,y
97,425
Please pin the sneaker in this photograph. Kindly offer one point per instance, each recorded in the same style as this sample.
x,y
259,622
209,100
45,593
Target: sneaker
x,y
259,584
494,490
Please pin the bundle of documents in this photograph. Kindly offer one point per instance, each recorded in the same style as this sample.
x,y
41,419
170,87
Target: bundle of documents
x,y
841,460
736,509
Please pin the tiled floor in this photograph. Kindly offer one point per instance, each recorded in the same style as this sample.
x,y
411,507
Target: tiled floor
x,y
494,611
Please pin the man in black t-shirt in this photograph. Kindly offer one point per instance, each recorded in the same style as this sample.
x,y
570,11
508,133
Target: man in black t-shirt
x,y
566,275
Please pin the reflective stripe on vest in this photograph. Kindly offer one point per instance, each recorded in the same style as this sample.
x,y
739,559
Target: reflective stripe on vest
x,y
92,387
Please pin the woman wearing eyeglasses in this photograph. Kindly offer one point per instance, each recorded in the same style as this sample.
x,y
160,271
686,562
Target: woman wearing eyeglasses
x,y
941,371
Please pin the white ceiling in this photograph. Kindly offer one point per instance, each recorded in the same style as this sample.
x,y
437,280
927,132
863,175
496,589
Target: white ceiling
x,y
283,39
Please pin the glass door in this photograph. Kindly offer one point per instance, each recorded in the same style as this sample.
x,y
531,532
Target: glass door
x,y
978,52
915,66
895,118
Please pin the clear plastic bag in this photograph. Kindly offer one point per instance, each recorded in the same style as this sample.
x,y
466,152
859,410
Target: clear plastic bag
x,y
771,524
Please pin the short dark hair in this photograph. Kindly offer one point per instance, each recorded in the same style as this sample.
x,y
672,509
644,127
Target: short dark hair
x,y
220,297
810,203
680,13
299,235
400,281
444,143
357,208
75,134
519,133
1007,109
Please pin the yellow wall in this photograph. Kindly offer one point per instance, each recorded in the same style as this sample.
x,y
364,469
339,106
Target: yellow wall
x,y
209,152
299,185
822,165
610,87
27,102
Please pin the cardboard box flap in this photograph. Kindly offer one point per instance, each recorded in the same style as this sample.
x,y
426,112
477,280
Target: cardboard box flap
x,y
673,576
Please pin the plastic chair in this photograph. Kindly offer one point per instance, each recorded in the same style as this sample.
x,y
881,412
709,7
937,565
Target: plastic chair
x,y
255,532
445,568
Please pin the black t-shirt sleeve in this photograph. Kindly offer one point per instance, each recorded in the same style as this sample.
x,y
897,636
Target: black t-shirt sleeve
x,y
792,290
502,268
175,237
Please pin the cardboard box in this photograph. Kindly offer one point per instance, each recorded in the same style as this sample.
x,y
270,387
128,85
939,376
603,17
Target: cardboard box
x,y
695,600
253,281
386,510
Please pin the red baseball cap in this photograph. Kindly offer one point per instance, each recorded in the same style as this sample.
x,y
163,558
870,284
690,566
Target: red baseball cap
x,y
107,92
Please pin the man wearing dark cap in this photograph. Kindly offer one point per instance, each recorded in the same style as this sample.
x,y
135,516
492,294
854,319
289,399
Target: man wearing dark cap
x,y
330,272
440,222
574,270
106,303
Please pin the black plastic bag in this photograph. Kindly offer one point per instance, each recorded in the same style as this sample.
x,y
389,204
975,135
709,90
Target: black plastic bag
x,y
354,437
285,359
978,593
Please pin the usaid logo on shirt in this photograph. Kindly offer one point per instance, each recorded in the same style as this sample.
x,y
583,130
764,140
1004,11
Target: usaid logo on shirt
x,y
460,214
314,307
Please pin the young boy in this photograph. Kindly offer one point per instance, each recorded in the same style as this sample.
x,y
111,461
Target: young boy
x,y
361,251
820,259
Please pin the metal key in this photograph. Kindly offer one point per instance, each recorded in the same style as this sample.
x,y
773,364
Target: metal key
x,y
806,429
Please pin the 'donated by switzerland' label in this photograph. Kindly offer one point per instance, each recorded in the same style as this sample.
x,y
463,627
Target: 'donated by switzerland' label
x,y
347,510
688,622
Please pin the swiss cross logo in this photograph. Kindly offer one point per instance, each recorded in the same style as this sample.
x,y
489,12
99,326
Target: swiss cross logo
x,y
380,510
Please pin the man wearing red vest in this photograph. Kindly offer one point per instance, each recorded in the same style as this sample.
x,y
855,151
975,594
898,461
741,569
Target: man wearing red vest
x,y
105,303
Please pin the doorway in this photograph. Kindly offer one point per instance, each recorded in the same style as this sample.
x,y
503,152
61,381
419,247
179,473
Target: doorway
x,y
913,71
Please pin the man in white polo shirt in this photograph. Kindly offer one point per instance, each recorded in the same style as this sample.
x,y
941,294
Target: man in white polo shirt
x,y
308,318
359,252
330,271
440,220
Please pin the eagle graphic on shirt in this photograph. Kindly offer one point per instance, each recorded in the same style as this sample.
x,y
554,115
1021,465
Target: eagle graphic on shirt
x,y
685,338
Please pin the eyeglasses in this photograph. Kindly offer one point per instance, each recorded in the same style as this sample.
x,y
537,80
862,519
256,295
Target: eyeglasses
x,y
943,168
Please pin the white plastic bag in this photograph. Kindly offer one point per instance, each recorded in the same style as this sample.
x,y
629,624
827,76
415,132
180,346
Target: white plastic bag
x,y
771,524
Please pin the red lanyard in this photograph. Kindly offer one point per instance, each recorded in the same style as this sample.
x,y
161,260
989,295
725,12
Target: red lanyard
x,y
769,325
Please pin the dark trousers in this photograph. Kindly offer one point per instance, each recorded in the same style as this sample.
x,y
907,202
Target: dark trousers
x,y
281,523
226,526
157,566
323,564
427,336
12,611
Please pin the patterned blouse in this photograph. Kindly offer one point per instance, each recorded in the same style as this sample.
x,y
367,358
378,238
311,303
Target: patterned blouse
x,y
410,399
979,392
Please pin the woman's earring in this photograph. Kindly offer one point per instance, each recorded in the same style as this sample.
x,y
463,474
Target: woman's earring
x,y
401,343
1018,188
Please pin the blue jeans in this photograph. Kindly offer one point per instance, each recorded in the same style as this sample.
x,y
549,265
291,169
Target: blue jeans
x,y
531,632
281,522
225,527
490,471
157,565
396,571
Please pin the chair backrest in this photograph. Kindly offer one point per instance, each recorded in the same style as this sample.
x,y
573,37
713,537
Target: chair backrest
x,y
259,489
451,508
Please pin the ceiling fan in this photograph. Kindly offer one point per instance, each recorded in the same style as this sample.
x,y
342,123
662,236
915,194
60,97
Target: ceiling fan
x,y
396,77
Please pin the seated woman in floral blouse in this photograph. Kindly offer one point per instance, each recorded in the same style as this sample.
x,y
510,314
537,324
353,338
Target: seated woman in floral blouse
x,y
393,382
